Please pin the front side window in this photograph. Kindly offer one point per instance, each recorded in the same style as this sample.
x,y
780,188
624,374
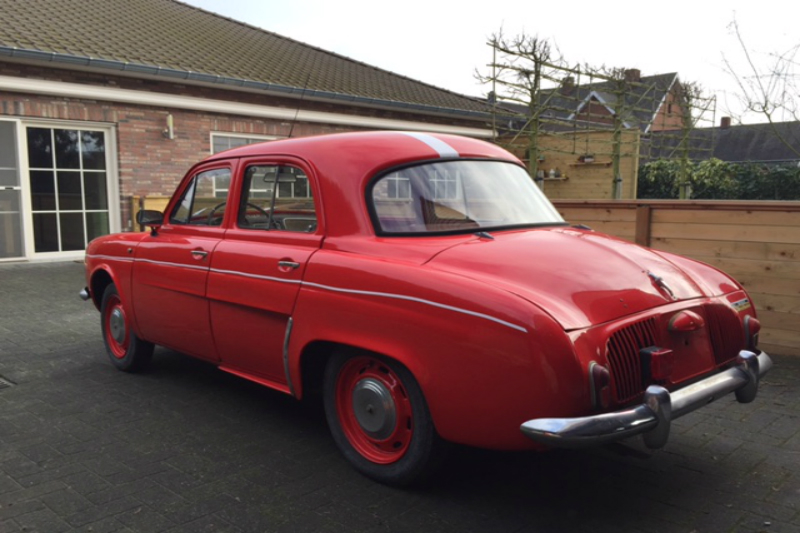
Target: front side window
x,y
277,197
458,196
204,200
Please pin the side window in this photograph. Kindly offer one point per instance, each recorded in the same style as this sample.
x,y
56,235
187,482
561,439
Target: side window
x,y
277,197
204,200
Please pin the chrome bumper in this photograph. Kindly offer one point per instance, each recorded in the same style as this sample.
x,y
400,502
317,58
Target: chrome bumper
x,y
85,294
653,417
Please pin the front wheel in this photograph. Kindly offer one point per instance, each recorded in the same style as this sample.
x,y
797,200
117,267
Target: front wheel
x,y
379,418
126,351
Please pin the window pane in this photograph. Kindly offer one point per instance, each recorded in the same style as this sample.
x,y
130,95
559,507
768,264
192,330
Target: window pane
x,y
301,187
67,152
220,144
9,177
94,187
292,209
201,203
10,227
224,142
8,155
40,149
285,190
184,208
72,231
69,191
43,190
45,232
96,225
93,150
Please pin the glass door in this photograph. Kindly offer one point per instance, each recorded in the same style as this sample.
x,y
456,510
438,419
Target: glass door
x,y
68,187
10,194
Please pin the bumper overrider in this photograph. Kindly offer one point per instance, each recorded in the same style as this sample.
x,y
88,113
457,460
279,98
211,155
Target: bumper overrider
x,y
653,417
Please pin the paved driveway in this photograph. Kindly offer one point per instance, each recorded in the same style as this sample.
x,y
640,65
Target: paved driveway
x,y
187,448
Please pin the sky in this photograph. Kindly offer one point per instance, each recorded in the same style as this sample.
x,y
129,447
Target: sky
x,y
443,43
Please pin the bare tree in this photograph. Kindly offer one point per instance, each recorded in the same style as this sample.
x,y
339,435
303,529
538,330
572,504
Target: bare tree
x,y
519,68
769,88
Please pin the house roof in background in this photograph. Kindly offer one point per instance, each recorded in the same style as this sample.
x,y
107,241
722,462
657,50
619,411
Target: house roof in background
x,y
642,100
757,143
182,42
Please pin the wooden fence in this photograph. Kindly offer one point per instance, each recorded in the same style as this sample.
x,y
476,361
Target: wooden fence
x,y
758,243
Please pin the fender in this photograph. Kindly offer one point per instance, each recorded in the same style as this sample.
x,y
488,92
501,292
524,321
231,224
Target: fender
x,y
475,344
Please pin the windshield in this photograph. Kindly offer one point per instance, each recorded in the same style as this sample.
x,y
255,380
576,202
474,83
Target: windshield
x,y
457,196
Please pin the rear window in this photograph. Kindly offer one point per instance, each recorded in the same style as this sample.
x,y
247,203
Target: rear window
x,y
458,196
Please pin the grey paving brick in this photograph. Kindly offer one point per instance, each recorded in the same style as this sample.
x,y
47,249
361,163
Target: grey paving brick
x,y
17,509
145,519
106,510
43,521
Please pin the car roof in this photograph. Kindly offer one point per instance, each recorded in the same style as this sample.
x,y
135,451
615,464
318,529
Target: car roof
x,y
345,162
387,147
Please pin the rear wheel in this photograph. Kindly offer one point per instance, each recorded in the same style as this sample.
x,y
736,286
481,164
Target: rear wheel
x,y
379,418
126,351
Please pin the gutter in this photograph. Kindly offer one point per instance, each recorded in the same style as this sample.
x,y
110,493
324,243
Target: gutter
x,y
227,82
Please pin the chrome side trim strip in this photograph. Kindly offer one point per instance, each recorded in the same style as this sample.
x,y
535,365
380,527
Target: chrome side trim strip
x,y
421,301
256,276
444,149
176,265
286,370
346,291
110,258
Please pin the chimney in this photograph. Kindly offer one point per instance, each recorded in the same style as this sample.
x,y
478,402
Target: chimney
x,y
725,123
567,86
633,75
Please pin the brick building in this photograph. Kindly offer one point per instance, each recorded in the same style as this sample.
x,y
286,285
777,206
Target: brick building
x,y
120,97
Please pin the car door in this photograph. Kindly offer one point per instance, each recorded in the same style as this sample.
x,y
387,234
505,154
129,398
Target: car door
x,y
257,269
171,266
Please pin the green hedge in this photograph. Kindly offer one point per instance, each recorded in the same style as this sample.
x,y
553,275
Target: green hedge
x,y
718,180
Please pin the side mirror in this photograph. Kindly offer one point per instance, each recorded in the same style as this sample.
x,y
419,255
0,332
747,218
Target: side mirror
x,y
149,217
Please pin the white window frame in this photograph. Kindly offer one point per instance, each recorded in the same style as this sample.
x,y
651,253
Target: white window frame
x,y
112,183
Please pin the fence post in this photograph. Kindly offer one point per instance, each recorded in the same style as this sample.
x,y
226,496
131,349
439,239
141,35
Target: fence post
x,y
643,218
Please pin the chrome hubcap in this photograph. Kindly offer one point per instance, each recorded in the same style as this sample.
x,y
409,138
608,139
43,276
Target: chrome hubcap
x,y
116,323
374,408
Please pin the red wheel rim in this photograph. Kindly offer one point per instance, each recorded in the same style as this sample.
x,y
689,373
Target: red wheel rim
x,y
115,325
374,410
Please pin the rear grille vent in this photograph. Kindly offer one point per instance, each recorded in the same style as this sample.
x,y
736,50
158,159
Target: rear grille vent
x,y
725,331
623,357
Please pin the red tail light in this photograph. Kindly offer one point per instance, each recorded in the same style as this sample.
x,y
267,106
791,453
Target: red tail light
x,y
600,385
752,326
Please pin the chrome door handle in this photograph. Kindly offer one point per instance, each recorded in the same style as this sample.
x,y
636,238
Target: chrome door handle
x,y
288,264
199,253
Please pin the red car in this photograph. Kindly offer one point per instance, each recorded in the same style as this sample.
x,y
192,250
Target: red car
x,y
430,291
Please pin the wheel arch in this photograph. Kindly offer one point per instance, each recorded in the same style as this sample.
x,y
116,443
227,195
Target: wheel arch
x,y
315,355
101,278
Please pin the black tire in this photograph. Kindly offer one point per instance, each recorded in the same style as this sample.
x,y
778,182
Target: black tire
x,y
127,352
379,419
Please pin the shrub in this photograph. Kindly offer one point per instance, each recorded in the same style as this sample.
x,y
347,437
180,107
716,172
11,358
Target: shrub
x,y
718,180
